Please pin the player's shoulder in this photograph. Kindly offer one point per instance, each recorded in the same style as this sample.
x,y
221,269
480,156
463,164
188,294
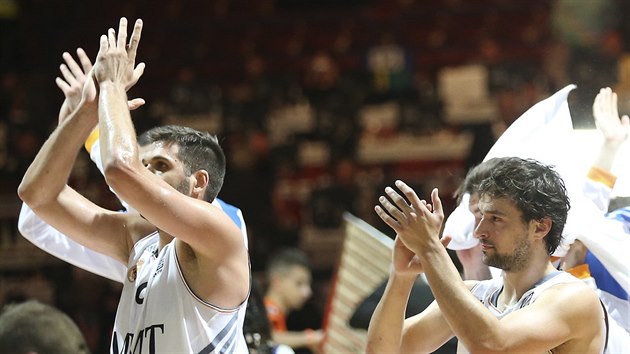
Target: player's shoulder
x,y
582,298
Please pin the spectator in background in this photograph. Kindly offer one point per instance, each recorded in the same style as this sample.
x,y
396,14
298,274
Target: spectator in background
x,y
189,95
248,96
289,287
390,68
336,195
9,29
33,327
332,97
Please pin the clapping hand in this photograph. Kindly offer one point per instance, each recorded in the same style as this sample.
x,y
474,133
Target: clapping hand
x,y
116,59
417,223
77,84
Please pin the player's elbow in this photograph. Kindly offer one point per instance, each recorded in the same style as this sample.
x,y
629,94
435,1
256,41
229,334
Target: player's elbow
x,y
25,192
31,193
118,171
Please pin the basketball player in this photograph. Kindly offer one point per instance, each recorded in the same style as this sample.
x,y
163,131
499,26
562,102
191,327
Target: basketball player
x,y
187,285
532,308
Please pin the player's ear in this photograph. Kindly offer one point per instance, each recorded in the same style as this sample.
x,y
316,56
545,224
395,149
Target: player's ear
x,y
201,179
542,227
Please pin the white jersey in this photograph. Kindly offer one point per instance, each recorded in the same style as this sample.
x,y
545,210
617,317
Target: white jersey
x,y
158,312
488,292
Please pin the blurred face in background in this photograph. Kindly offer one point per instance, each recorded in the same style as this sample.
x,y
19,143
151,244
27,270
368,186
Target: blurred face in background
x,y
294,286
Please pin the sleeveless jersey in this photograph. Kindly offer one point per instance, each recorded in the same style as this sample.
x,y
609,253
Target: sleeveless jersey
x,y
488,292
158,312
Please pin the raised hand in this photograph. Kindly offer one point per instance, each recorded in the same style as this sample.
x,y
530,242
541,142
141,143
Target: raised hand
x,y
416,223
614,129
74,78
605,112
116,59
77,84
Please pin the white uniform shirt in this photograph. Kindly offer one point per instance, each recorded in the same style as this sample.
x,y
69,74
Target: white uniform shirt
x,y
158,312
488,292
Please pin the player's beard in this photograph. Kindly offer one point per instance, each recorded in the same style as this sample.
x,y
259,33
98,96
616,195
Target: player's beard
x,y
513,262
183,187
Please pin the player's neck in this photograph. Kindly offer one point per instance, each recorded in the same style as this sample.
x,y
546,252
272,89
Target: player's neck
x,y
515,284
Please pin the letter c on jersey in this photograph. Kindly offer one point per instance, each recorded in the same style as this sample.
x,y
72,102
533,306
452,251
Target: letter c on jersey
x,y
139,294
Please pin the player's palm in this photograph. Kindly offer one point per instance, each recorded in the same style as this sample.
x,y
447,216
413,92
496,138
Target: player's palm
x,y
115,61
606,116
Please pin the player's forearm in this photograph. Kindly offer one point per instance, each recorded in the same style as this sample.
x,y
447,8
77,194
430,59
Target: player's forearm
x,y
64,111
52,241
117,135
607,154
386,324
470,321
49,171
598,186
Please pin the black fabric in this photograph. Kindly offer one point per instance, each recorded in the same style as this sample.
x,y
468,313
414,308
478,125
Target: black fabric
x,y
606,322
256,326
421,297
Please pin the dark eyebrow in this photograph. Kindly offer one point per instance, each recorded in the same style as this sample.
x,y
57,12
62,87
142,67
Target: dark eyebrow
x,y
161,157
157,158
492,211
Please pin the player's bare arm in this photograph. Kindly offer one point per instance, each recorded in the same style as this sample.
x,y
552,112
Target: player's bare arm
x,y
388,331
549,323
546,324
45,190
209,244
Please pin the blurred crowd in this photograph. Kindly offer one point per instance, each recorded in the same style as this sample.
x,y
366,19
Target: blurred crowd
x,y
288,86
